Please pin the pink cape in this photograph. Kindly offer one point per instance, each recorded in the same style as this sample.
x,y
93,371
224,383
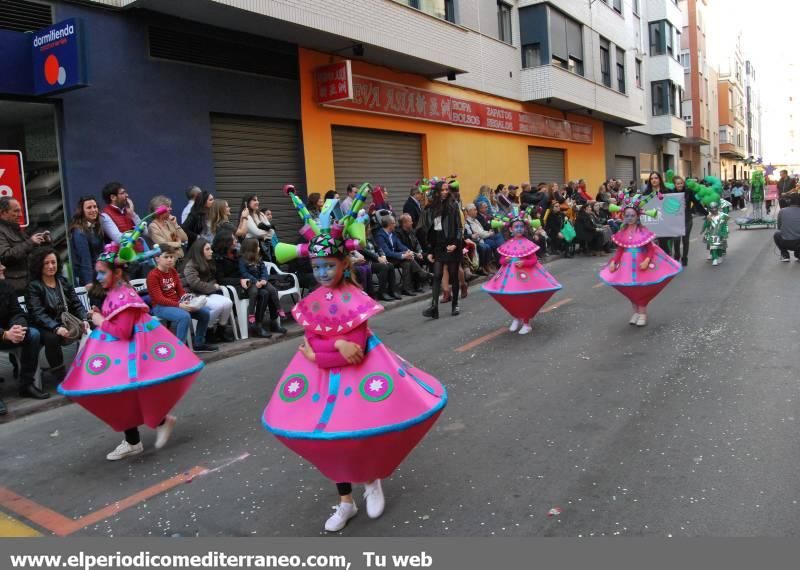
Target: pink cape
x,y
522,291
355,423
640,286
128,383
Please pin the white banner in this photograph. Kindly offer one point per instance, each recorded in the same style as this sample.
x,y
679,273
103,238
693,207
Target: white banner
x,y
670,220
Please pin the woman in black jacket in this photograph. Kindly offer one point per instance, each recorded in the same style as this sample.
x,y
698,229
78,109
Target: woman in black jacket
x,y
445,239
45,299
198,222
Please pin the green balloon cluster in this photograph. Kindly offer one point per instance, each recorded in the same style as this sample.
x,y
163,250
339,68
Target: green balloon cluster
x,y
669,180
706,193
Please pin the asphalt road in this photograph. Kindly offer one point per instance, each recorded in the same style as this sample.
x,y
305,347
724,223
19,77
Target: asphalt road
x,y
687,427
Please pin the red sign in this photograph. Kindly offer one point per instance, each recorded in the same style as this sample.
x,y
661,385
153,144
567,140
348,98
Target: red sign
x,y
334,82
12,181
384,98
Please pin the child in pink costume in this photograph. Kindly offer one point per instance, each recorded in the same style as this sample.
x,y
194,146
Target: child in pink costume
x,y
523,285
639,269
132,370
347,403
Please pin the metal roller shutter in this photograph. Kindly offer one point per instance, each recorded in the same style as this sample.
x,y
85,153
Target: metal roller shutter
x,y
546,165
624,168
258,156
388,158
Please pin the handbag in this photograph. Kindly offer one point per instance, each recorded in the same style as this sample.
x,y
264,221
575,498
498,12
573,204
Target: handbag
x,y
568,231
69,321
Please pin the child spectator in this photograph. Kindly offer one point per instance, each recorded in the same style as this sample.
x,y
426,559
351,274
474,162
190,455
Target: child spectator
x,y
260,293
165,290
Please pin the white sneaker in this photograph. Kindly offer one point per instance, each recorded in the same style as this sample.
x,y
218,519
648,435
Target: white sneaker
x,y
124,450
641,321
715,262
634,319
525,329
164,431
514,325
373,495
338,520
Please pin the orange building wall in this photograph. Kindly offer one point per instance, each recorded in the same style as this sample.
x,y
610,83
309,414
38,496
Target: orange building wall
x,y
477,156
725,117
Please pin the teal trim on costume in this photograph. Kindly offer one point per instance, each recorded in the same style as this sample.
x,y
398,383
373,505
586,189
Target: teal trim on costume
x,y
360,433
127,387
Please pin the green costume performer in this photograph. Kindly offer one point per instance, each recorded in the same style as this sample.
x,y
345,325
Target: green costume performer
x,y
715,230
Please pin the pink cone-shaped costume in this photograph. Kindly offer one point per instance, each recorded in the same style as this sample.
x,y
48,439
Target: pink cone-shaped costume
x,y
355,423
522,291
634,244
132,370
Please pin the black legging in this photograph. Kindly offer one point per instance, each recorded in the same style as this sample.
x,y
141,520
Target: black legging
x,y
676,242
132,435
52,348
344,489
452,263
262,299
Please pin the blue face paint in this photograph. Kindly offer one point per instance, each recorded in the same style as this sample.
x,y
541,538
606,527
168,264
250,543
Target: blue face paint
x,y
326,271
518,229
101,276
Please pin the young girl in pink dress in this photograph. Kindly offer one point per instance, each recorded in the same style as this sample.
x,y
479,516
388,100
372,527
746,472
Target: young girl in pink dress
x,y
346,403
523,285
132,370
639,269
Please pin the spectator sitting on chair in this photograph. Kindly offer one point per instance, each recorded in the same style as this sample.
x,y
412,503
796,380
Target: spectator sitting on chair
x,y
48,295
788,235
347,203
408,237
166,294
259,224
382,268
191,195
86,239
219,219
262,295
413,206
200,274
198,223
15,245
164,228
16,334
118,216
400,256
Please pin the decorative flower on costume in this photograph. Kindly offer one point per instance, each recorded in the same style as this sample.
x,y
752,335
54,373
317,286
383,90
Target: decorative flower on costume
x,y
354,422
132,370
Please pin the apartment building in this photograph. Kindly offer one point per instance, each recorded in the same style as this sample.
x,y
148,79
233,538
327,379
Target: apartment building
x,y
754,113
700,148
732,106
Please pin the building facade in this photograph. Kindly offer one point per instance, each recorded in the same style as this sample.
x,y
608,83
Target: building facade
x,y
225,95
732,107
700,148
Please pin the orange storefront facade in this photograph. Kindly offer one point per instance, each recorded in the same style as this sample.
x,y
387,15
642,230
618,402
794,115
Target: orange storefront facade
x,y
478,156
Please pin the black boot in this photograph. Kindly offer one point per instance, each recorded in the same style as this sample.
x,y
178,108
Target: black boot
x,y
432,312
455,310
31,391
227,334
274,326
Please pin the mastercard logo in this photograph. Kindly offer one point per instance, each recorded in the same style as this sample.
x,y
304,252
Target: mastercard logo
x,y
53,72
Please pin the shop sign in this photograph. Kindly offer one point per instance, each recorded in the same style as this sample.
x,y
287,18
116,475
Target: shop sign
x,y
12,181
334,82
385,98
59,60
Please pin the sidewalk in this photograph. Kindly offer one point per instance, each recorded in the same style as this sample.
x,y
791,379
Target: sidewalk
x,y
21,407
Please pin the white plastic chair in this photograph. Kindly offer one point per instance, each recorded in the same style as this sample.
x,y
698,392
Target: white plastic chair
x,y
292,291
239,314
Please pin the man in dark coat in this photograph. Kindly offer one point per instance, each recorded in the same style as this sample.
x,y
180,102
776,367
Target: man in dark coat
x,y
15,334
413,206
